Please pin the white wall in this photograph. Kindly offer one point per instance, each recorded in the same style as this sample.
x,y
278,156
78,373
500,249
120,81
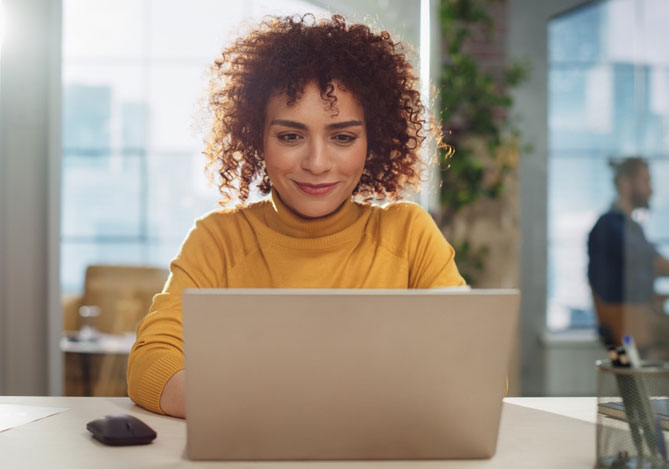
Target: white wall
x,y
29,206
570,363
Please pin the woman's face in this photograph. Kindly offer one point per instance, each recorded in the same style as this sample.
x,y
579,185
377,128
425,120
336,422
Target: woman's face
x,y
314,155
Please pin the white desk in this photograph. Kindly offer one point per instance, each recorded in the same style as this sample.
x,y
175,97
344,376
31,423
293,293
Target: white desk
x,y
535,432
117,344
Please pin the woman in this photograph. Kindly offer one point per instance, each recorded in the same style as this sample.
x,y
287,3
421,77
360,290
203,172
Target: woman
x,y
315,114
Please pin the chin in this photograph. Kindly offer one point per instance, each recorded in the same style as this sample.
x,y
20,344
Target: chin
x,y
310,207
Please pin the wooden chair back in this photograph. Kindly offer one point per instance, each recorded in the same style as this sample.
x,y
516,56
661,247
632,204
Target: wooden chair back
x,y
122,293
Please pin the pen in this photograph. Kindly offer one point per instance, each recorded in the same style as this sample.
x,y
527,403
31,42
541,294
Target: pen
x,y
623,361
613,355
651,425
626,386
632,352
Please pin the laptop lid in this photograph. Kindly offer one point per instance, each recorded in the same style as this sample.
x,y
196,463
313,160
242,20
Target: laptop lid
x,y
345,374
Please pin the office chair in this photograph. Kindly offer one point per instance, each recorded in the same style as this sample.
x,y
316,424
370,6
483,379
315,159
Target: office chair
x,y
114,300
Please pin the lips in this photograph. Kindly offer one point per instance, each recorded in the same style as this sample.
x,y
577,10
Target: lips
x,y
315,189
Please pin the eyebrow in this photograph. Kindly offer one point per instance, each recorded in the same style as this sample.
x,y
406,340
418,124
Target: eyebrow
x,y
301,126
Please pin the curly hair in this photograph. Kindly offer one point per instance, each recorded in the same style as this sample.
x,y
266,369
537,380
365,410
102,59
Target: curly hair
x,y
281,56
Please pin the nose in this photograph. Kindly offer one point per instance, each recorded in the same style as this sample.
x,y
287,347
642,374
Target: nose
x,y
316,159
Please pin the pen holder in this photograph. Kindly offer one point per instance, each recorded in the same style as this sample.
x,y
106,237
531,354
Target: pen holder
x,y
632,416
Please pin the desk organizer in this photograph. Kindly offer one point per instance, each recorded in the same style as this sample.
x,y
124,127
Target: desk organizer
x,y
632,416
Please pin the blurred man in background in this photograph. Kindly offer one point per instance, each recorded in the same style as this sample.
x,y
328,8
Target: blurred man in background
x,y
624,265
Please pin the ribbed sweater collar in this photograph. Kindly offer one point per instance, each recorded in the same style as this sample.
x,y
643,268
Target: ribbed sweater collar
x,y
286,222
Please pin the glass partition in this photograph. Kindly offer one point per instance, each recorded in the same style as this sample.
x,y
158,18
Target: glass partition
x,y
608,85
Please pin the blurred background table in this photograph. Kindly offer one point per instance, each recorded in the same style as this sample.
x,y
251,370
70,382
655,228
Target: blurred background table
x,y
95,365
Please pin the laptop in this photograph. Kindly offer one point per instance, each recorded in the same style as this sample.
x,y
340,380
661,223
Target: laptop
x,y
345,374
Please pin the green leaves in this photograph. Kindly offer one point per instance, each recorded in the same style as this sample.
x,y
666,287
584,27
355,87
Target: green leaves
x,y
470,261
475,101
468,11
464,176
475,110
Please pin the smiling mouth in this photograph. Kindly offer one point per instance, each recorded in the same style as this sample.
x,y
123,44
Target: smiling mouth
x,y
315,189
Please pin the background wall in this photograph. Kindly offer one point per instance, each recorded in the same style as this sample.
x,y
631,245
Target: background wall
x,y
527,39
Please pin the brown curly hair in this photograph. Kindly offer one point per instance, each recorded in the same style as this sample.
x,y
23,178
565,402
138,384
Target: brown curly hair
x,y
281,56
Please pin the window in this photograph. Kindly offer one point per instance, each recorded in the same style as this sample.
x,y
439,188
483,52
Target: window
x,y
133,175
608,86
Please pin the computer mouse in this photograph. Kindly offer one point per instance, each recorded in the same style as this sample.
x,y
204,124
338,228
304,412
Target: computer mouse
x,y
121,430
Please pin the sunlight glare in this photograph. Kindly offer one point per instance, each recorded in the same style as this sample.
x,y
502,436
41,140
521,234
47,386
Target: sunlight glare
x,y
425,196
2,24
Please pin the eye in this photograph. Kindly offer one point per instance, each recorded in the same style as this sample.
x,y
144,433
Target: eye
x,y
289,138
344,139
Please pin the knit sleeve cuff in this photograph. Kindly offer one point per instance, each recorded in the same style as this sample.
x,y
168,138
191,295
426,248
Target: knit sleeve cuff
x,y
152,382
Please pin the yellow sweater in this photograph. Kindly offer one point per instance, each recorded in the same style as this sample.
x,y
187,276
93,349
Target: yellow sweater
x,y
266,245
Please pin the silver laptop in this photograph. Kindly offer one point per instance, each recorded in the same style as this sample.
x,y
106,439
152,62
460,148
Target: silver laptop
x,y
345,374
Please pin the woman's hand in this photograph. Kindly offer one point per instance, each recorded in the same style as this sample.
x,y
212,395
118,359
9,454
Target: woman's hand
x,y
173,398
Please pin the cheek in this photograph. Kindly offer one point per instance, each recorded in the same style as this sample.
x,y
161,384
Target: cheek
x,y
278,159
357,161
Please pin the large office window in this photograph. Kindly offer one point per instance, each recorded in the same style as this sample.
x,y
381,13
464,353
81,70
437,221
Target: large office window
x,y
134,81
608,99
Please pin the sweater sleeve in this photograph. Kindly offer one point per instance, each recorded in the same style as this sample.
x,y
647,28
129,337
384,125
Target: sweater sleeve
x,y
431,257
158,351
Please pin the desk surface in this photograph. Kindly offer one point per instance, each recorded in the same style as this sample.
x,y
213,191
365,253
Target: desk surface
x,y
535,432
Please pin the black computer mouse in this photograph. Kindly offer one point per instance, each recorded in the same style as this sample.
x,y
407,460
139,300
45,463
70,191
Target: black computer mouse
x,y
121,430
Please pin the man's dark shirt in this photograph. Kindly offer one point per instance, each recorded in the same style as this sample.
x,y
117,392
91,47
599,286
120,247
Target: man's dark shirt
x,y
621,260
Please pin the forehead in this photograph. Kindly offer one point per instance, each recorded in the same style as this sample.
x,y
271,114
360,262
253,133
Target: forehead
x,y
339,102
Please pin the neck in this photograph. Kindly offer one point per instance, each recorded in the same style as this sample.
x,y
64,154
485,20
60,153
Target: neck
x,y
625,205
281,218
